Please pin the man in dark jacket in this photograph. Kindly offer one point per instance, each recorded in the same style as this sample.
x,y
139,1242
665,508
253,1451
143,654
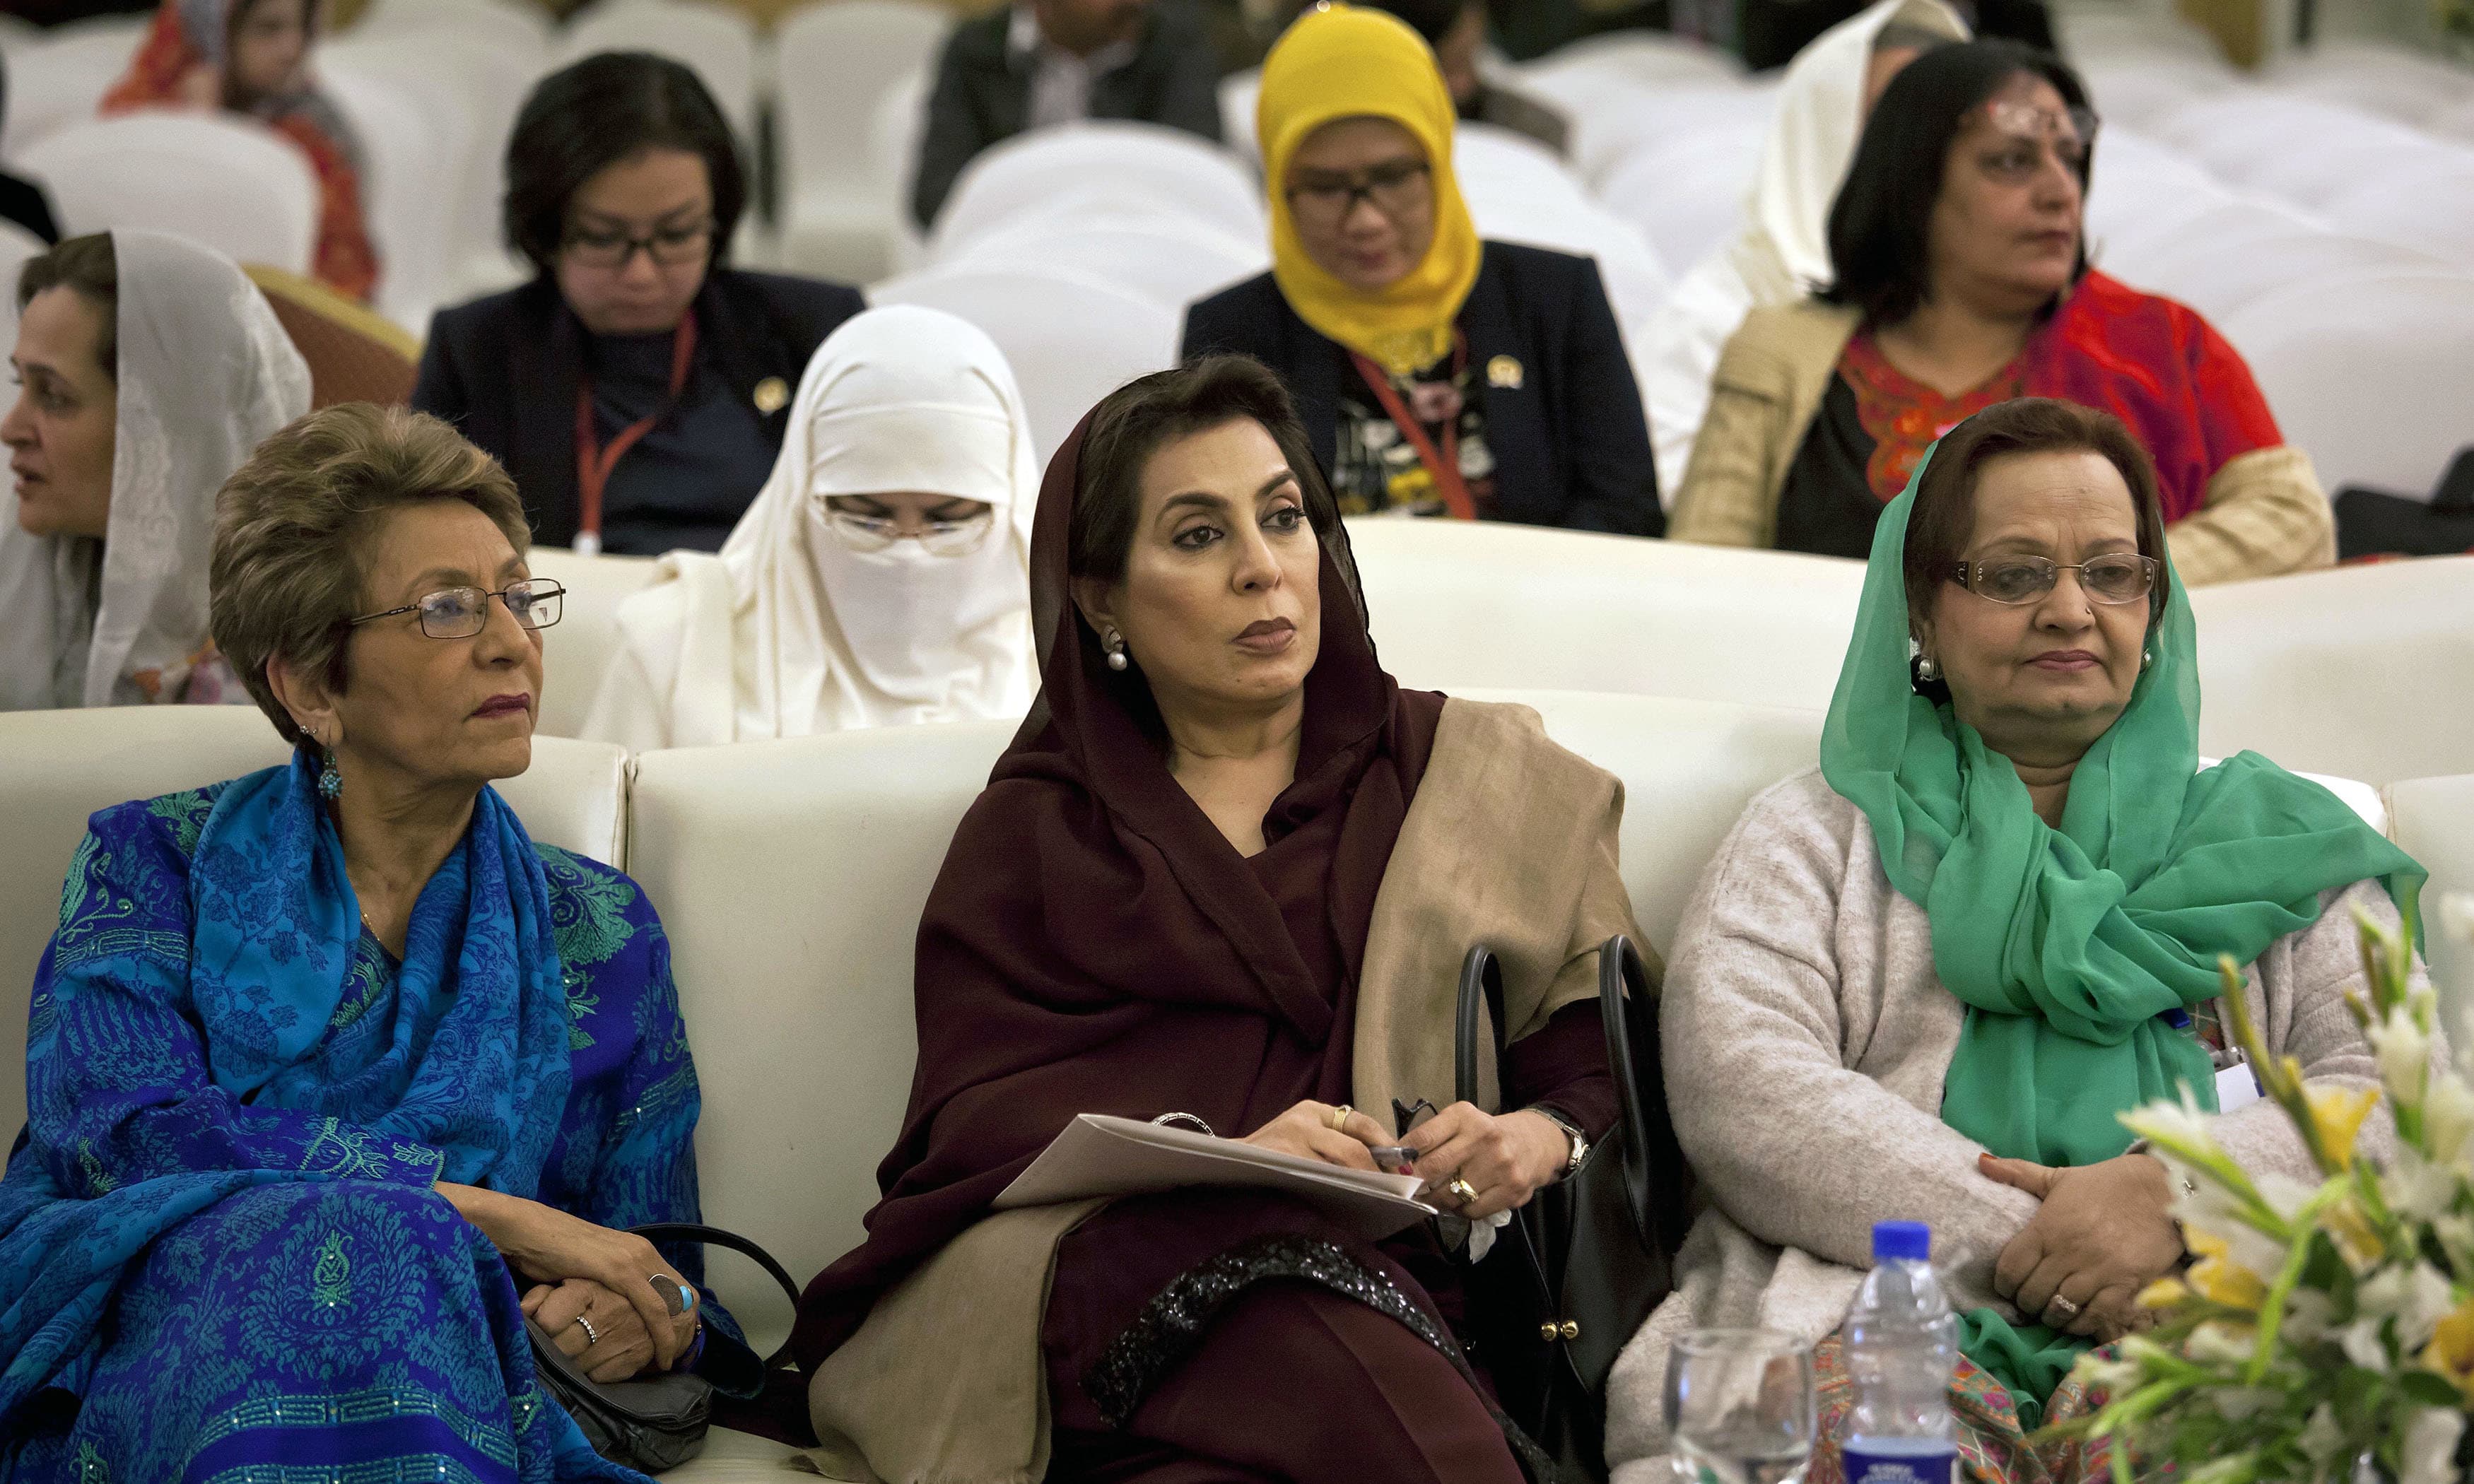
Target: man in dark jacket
x,y
1037,63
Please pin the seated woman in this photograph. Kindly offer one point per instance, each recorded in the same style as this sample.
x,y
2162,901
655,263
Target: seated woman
x,y
882,576
324,1059
635,389
1961,280
1437,375
1205,885
253,57
1780,252
119,442
1985,927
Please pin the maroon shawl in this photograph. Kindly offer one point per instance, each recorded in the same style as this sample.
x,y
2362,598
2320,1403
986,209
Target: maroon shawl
x,y
1094,944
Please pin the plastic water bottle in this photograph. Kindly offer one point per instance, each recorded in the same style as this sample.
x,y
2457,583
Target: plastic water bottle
x,y
1901,1343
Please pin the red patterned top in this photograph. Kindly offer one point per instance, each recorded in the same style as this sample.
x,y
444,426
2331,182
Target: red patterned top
x,y
2184,391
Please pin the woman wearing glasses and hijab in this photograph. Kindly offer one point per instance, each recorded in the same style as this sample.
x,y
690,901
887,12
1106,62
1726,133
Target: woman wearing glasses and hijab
x,y
1437,375
882,577
341,1091
1985,926
636,389
1960,279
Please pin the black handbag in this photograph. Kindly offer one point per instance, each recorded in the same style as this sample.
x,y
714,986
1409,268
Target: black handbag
x,y
1574,1273
658,1421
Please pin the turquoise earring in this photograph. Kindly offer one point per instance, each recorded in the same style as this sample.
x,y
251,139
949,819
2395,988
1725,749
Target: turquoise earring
x,y
330,780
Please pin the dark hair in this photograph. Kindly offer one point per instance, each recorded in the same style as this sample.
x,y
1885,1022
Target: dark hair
x,y
292,528
1133,421
595,114
88,265
1880,221
1943,518
1432,19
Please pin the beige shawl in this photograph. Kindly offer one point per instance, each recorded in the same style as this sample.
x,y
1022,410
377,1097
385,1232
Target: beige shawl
x,y
1511,841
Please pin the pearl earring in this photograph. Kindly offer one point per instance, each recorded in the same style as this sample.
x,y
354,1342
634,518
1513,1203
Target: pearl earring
x,y
1927,669
1115,643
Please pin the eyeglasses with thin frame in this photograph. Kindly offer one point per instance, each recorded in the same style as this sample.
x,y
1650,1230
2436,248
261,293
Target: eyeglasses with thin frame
x,y
2027,129
461,612
868,533
2014,582
669,246
1395,186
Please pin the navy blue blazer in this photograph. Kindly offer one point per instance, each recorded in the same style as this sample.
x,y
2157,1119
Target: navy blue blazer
x,y
504,370
1570,443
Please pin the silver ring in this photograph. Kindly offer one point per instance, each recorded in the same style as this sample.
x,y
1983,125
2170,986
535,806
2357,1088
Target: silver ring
x,y
2063,1306
676,1297
591,1338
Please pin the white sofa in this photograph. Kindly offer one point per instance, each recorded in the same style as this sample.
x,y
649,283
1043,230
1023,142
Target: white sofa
x,y
790,876
2362,672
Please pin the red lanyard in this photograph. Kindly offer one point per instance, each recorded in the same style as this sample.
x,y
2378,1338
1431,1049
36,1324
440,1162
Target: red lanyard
x,y
593,463
1444,465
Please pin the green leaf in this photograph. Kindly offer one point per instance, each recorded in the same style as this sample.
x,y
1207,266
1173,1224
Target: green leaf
x,y
2429,1389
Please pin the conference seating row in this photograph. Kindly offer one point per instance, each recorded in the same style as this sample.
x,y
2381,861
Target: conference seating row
x,y
2363,672
791,876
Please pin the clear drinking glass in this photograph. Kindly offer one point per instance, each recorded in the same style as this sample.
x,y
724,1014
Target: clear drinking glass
x,y
1739,1407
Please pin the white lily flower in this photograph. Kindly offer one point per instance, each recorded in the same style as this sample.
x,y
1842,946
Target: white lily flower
x,y
2428,1299
2402,1052
2417,1189
2320,1437
2310,1317
2179,1127
2430,1452
2241,1403
2114,1377
2217,1343
2447,1116
2364,1346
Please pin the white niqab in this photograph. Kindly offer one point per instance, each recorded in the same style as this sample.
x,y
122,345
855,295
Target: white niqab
x,y
206,375
789,631
1780,252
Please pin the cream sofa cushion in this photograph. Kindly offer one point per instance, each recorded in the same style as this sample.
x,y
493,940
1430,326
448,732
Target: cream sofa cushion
x,y
2363,671
2434,824
577,648
791,876
66,765
1455,604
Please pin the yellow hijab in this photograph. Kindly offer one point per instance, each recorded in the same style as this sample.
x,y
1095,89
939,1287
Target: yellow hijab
x,y
1339,62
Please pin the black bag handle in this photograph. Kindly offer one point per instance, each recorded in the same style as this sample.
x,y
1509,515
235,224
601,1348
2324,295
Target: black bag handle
x,y
1621,977
716,1236
1481,989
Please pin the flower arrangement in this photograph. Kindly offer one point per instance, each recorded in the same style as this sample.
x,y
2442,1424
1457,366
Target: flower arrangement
x,y
2321,1331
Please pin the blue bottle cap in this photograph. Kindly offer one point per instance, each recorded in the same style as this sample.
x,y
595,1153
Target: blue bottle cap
x,y
1902,1241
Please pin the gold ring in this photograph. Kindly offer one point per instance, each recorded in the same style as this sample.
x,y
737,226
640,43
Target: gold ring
x,y
1339,1119
1462,1190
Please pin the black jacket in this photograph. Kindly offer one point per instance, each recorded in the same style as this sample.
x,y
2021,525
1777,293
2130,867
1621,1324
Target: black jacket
x,y
1570,444
504,370
983,93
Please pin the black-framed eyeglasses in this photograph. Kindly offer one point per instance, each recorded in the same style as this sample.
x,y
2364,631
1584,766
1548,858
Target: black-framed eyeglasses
x,y
669,246
461,612
2120,576
1394,186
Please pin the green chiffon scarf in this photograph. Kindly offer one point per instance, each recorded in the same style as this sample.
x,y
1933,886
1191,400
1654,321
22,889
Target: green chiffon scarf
x,y
2067,946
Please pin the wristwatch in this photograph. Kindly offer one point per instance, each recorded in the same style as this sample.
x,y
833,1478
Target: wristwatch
x,y
1579,1140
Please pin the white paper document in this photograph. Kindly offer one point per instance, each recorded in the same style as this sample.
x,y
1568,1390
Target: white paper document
x,y
1099,1155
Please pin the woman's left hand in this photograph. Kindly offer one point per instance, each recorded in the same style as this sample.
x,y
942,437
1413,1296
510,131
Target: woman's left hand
x,y
2104,1231
1504,1157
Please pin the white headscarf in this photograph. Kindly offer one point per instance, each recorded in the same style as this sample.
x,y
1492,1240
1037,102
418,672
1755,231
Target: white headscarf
x,y
1782,251
206,375
789,631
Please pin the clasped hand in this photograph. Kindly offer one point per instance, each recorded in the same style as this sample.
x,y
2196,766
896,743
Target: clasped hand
x,y
1504,1158
2104,1233
580,1269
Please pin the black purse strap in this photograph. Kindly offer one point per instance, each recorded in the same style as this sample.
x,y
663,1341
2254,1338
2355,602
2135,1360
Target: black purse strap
x,y
1621,977
1623,981
716,1236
